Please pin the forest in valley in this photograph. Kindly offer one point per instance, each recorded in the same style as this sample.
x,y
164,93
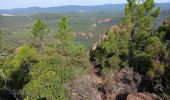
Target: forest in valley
x,y
121,57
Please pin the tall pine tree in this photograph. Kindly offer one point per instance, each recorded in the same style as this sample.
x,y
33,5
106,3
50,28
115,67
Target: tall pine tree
x,y
146,49
39,31
64,31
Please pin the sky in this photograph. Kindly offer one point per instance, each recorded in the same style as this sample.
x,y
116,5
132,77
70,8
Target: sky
x,y
9,4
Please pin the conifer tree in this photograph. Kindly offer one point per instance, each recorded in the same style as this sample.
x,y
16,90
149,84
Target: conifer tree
x,y
146,49
64,31
39,31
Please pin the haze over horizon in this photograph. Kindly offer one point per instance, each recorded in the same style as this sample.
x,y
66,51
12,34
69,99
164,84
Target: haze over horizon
x,y
10,4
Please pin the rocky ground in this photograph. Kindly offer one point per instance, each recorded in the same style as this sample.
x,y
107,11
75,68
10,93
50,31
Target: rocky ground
x,y
122,85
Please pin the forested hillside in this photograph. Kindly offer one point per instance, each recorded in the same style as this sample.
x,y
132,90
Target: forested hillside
x,y
87,56
88,22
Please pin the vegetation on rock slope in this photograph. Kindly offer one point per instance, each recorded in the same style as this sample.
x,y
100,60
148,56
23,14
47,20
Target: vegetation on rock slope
x,y
136,47
130,58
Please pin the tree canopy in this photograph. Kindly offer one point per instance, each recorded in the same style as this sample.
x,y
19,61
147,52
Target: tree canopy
x,y
39,30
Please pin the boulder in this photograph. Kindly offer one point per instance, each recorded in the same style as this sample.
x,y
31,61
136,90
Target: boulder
x,y
122,82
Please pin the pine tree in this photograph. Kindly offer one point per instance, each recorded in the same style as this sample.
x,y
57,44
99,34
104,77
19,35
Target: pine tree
x,y
74,52
140,15
146,49
39,31
64,36
64,31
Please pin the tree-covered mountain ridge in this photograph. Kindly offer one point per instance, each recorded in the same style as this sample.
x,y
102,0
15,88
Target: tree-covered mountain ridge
x,y
73,8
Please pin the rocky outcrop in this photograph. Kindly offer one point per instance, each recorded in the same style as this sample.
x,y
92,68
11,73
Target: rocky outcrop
x,y
84,88
165,28
119,85
166,22
117,29
122,82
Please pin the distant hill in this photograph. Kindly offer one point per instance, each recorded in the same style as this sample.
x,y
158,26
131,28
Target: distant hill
x,y
163,6
75,8
85,20
61,9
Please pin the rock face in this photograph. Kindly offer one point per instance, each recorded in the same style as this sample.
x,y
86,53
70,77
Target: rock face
x,y
84,88
166,22
118,28
120,85
122,82
142,96
103,37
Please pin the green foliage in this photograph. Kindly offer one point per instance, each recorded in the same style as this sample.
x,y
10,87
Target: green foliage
x,y
64,31
1,38
2,75
155,47
38,32
17,70
47,79
140,15
22,62
151,60
50,79
166,78
147,50
155,52
164,32
47,75
26,55
100,57
64,36
118,45
75,53
111,54
46,86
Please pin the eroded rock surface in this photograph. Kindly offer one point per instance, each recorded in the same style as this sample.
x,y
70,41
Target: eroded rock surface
x,y
84,88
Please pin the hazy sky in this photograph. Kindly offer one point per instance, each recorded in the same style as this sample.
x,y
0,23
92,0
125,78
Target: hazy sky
x,y
8,4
